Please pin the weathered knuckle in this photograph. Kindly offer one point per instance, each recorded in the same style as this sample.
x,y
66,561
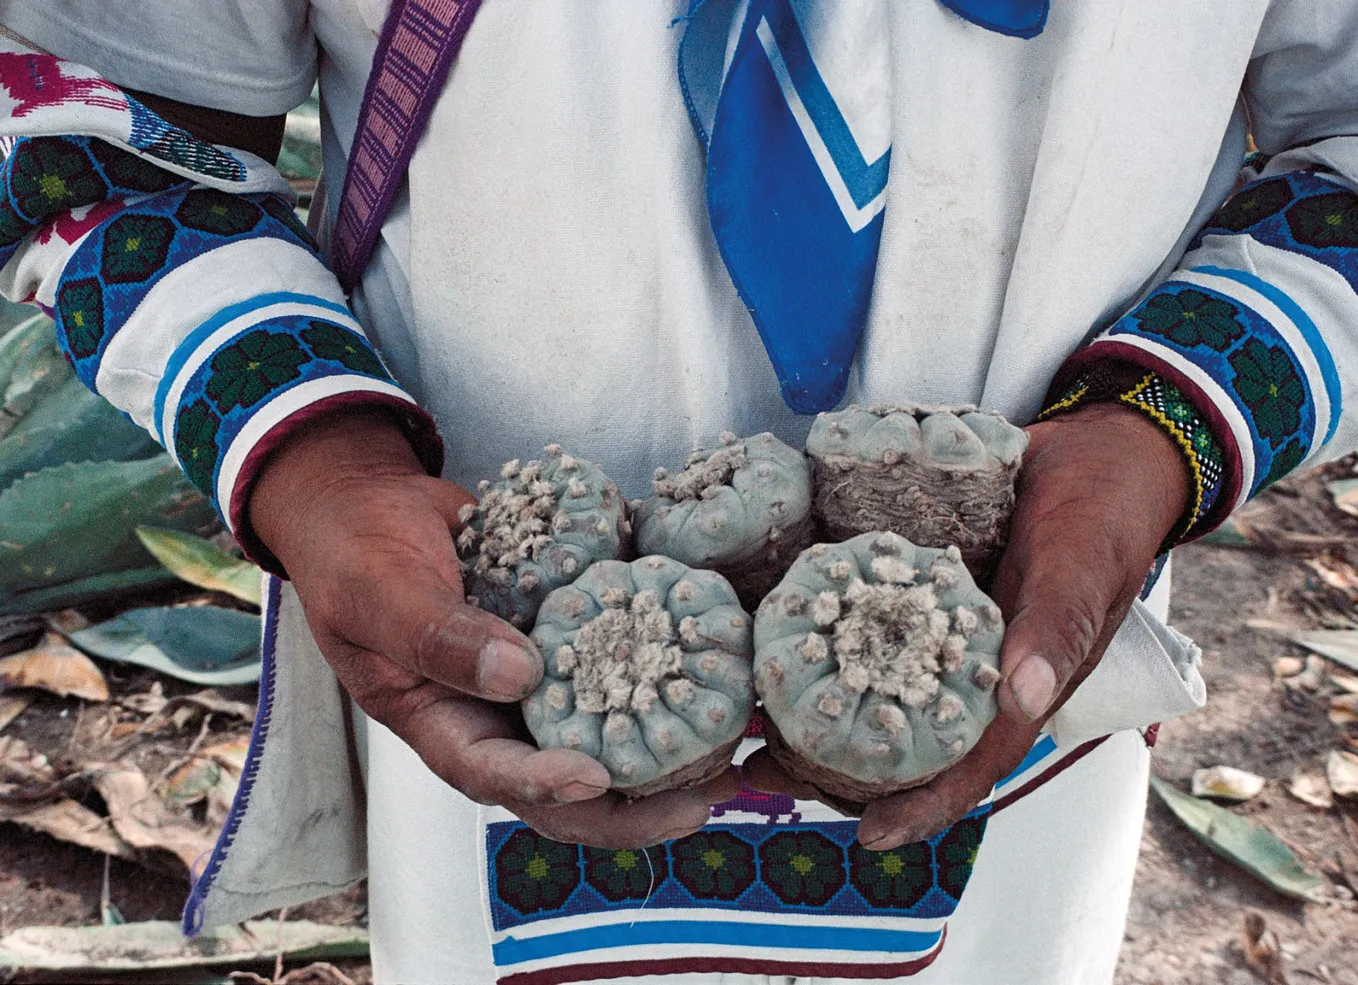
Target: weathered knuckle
x,y
1075,631
430,649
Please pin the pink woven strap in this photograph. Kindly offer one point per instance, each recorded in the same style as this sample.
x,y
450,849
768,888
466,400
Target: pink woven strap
x,y
419,41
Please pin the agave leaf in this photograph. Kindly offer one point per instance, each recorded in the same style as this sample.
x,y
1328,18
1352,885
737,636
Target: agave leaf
x,y
200,562
73,593
76,521
55,667
202,644
1345,494
1339,645
1254,849
71,425
155,945
31,365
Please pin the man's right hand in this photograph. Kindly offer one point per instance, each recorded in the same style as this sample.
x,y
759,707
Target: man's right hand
x,y
367,539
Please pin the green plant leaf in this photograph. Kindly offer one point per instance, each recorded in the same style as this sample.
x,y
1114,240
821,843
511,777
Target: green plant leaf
x,y
200,562
160,944
71,425
73,593
1231,533
31,365
76,521
1254,849
1339,645
202,643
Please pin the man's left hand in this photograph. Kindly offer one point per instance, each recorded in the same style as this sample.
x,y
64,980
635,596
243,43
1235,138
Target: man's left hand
x,y
1099,491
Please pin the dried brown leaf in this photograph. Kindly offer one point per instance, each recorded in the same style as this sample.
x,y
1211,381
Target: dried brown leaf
x,y
55,666
21,765
317,973
1262,952
1313,789
1344,709
1341,770
12,706
1288,667
145,821
1226,783
68,821
1335,574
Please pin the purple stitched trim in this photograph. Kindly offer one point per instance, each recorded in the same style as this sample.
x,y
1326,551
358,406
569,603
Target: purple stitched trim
x,y
193,908
419,41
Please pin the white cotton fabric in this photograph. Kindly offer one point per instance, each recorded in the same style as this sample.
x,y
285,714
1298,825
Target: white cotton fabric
x,y
550,276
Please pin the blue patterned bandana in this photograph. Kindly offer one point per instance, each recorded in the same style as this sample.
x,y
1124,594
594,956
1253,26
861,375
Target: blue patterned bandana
x,y
792,99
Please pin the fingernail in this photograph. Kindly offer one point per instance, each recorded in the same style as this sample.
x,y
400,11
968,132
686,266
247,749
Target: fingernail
x,y
505,670
1032,686
577,791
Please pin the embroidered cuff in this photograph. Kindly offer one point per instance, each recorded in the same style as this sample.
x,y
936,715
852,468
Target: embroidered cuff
x,y
1243,330
219,382
1162,403
185,290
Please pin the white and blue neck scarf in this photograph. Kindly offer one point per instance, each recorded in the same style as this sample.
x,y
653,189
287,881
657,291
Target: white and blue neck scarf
x,y
792,99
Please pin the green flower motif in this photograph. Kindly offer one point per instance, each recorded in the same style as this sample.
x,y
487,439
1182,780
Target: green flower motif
x,y
620,875
127,170
713,865
955,854
898,879
1272,388
533,873
135,247
54,174
1325,220
245,372
211,211
803,867
195,443
1253,204
283,212
344,346
1284,462
81,306
1190,318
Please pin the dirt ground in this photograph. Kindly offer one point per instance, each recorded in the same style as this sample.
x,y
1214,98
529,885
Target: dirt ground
x,y
1188,911
1186,923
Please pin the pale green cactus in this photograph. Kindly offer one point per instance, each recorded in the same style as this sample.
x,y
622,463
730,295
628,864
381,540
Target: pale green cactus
x,y
877,662
536,529
647,669
937,476
742,509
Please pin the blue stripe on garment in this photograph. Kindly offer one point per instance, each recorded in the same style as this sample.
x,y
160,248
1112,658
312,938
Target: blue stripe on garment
x,y
1017,18
1044,746
865,181
513,950
199,335
1304,324
803,273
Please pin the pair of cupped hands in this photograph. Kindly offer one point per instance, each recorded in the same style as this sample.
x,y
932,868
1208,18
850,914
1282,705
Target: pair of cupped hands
x,y
367,539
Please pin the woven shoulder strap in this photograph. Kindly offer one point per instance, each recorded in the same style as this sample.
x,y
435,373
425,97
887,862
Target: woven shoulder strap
x,y
419,41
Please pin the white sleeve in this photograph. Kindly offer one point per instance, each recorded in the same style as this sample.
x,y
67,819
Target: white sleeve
x,y
255,57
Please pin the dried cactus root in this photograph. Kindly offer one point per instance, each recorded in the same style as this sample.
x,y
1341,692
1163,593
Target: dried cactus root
x,y
742,509
647,670
844,794
711,766
877,662
536,529
935,475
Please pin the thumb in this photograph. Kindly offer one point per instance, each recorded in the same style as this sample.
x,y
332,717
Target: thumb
x,y
421,622
1064,601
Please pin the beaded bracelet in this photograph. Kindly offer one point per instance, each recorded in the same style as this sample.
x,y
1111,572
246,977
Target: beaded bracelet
x,y
1162,403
